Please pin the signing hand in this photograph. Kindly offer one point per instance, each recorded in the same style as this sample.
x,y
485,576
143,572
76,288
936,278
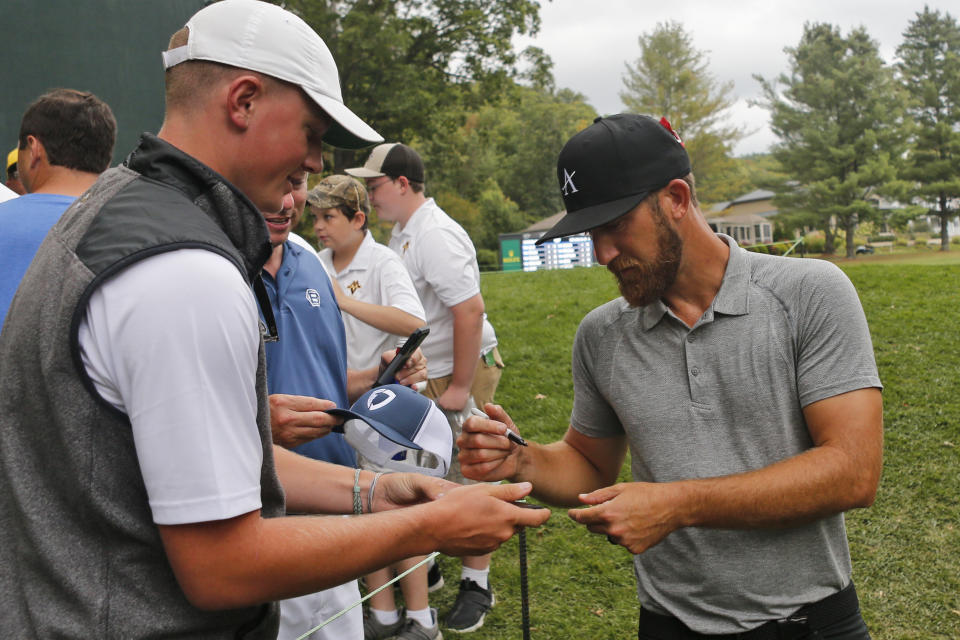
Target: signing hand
x,y
635,515
485,452
298,419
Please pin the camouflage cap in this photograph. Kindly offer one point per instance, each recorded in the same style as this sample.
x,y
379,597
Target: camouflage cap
x,y
337,190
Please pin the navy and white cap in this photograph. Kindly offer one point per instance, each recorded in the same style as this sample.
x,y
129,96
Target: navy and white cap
x,y
396,428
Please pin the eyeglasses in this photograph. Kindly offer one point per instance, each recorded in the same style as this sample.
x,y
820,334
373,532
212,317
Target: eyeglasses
x,y
371,188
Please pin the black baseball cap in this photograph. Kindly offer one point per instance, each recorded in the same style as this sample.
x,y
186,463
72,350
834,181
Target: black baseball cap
x,y
611,166
391,159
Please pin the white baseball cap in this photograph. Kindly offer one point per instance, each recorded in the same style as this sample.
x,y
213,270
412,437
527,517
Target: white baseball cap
x,y
262,37
396,428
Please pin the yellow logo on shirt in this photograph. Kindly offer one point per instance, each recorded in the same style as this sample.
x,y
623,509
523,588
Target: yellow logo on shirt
x,y
353,286
406,245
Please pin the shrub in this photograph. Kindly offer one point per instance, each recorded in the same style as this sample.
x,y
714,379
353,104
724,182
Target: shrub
x,y
883,237
814,242
487,260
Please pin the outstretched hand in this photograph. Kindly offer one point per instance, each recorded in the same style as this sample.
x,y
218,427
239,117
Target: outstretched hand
x,y
479,518
635,515
396,490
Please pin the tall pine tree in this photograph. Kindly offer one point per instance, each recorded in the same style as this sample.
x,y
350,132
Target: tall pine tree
x,y
930,69
838,118
670,78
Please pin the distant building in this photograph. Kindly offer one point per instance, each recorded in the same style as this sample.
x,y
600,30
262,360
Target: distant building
x,y
745,219
518,251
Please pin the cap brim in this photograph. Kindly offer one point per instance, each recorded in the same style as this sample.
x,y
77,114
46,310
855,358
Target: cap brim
x,y
363,172
386,431
347,131
591,217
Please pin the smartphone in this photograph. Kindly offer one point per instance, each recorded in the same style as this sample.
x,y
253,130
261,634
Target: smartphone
x,y
403,354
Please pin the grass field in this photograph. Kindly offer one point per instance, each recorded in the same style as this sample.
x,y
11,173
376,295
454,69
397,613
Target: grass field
x,y
906,548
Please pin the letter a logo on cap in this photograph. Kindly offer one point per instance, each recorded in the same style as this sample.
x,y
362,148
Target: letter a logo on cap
x,y
568,186
380,398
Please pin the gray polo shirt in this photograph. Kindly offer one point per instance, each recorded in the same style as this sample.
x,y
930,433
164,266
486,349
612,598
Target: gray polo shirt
x,y
721,398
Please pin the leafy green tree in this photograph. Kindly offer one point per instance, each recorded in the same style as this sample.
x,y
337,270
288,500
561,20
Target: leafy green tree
x,y
402,61
502,158
839,122
930,69
670,78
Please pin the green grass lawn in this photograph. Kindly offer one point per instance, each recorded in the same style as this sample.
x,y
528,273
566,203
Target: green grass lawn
x,y
906,548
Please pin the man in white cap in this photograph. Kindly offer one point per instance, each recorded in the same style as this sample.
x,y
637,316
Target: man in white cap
x,y
745,388
139,490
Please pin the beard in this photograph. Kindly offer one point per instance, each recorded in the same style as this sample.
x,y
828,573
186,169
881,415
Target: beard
x,y
642,283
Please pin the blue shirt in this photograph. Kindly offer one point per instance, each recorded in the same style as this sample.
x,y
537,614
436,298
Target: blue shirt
x,y
310,359
24,223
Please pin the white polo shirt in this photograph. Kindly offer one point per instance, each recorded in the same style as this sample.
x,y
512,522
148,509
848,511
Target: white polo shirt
x,y
377,276
442,263
178,354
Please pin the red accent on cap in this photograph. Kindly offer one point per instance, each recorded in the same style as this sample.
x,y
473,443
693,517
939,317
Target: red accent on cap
x,y
666,125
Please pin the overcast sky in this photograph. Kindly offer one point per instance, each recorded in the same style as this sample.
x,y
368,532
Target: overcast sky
x,y
590,40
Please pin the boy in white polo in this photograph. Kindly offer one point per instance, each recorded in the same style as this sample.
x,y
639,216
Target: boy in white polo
x,y
381,304
464,364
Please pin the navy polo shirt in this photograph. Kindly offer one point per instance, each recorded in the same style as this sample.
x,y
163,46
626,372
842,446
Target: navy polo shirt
x,y
310,358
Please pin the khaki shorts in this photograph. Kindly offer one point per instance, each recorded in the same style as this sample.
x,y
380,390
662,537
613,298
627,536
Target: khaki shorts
x,y
485,381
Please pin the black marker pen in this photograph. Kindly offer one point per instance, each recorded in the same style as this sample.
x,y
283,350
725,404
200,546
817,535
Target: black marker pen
x,y
512,436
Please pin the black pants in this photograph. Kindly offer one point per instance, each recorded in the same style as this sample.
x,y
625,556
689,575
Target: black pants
x,y
836,617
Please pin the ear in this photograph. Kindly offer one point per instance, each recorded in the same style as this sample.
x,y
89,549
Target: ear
x,y
38,153
359,218
243,95
675,199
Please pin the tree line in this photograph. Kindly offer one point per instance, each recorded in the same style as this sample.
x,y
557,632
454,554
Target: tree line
x,y
444,77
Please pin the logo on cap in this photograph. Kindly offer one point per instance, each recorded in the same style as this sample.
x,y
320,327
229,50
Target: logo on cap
x,y
380,398
568,186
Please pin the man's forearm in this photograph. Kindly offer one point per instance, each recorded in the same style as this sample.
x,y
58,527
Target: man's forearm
x,y
312,486
561,471
812,485
841,471
266,559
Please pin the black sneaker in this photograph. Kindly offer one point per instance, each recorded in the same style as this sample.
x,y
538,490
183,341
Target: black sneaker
x,y
434,578
471,606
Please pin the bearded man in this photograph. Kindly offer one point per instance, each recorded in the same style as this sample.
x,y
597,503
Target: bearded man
x,y
745,386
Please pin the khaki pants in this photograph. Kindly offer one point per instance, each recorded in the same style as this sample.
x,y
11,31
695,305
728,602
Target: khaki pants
x,y
485,382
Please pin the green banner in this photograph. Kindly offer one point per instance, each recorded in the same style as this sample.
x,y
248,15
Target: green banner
x,y
511,258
